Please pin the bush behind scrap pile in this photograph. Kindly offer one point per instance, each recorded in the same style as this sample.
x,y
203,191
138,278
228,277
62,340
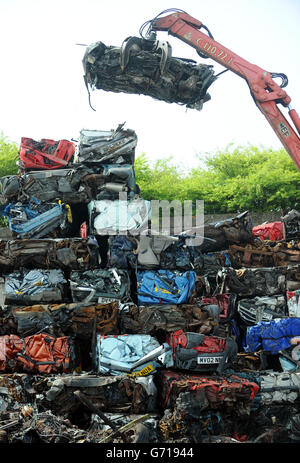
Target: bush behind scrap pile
x,y
108,334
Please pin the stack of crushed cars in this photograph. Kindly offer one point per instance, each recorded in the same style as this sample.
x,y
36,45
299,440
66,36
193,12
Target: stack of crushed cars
x,y
109,333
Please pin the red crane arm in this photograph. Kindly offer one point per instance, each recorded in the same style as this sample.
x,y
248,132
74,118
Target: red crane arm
x,y
266,93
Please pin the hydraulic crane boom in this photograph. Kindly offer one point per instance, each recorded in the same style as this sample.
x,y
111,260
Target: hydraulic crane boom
x,y
266,93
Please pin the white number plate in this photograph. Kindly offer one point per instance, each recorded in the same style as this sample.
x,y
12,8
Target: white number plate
x,y
205,360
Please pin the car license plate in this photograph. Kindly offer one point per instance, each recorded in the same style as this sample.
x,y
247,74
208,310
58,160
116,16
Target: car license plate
x,y
208,360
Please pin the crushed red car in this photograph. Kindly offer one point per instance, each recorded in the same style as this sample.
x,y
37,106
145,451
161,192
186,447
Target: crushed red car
x,y
45,153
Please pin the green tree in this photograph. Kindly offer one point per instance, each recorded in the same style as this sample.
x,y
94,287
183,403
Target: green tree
x,y
161,180
8,156
253,178
230,180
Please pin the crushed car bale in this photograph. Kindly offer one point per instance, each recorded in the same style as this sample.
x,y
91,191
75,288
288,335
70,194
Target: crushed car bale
x,y
182,82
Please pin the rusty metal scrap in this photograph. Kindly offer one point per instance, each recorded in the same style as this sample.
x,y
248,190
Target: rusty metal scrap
x,y
168,318
60,319
108,393
214,391
13,389
142,432
74,253
265,254
85,401
45,427
196,406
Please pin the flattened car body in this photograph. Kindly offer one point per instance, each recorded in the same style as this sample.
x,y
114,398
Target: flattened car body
x,y
273,231
116,393
273,336
73,185
164,286
252,281
114,146
100,284
264,308
218,236
68,253
38,353
187,83
117,355
279,387
213,390
78,320
265,254
162,252
35,220
167,318
45,153
197,352
33,286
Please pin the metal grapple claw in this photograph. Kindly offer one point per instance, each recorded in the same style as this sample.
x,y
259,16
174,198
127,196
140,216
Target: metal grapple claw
x,y
166,53
136,43
127,45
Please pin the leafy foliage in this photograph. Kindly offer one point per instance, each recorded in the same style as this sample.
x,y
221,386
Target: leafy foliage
x,y
8,157
233,180
163,180
8,166
3,222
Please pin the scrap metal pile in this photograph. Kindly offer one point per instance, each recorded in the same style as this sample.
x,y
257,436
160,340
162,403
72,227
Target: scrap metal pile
x,y
108,334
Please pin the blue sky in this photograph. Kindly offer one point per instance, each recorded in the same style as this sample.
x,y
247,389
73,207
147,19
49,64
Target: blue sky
x,y
43,95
